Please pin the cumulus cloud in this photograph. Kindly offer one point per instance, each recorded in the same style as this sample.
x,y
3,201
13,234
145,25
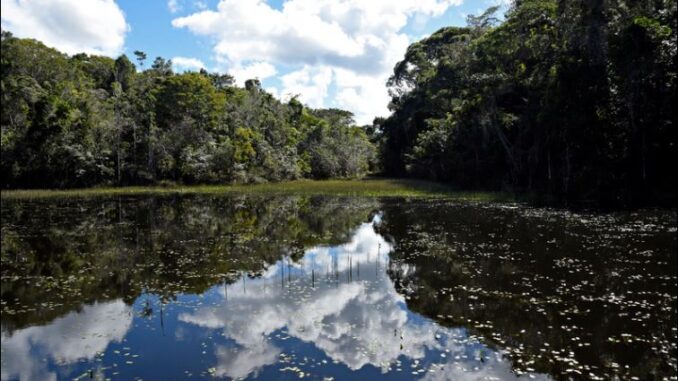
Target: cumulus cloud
x,y
363,94
72,26
320,40
260,70
187,64
310,83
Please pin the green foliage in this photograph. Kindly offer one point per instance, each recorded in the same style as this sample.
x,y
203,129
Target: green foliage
x,y
89,120
567,98
369,187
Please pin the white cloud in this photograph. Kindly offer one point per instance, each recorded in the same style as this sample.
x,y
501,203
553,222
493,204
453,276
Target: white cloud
x,y
187,64
72,26
310,83
321,40
173,6
176,6
260,70
363,94
274,91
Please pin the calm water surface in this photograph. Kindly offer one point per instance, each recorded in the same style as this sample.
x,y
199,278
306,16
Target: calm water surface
x,y
327,288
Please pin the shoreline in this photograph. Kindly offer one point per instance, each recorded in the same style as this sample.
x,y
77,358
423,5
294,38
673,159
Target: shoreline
x,y
369,187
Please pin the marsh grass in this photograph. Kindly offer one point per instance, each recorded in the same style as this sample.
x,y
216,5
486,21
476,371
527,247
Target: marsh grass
x,y
365,187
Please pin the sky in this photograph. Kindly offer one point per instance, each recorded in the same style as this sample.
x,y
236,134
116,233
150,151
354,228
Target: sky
x,y
330,53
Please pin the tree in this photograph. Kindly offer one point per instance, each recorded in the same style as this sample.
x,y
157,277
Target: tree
x,y
547,101
141,57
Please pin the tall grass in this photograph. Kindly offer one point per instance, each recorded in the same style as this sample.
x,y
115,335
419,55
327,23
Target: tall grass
x,y
364,187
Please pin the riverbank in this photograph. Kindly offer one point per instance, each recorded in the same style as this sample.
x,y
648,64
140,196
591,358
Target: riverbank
x,y
358,187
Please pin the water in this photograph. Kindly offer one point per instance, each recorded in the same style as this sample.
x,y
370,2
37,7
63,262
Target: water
x,y
238,287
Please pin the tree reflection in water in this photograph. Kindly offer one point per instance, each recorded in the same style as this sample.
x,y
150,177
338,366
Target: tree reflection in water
x,y
282,286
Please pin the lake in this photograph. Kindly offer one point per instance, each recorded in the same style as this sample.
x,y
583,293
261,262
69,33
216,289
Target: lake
x,y
264,287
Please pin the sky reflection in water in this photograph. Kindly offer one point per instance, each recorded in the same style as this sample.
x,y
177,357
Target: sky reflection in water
x,y
282,286
334,313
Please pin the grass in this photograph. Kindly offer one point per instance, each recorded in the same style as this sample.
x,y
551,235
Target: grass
x,y
372,187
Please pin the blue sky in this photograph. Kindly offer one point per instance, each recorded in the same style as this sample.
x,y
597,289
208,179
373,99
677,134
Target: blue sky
x,y
156,35
329,53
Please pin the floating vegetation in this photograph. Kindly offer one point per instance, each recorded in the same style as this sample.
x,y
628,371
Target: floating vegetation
x,y
325,288
563,293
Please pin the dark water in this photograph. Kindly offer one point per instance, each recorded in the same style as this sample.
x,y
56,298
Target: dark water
x,y
204,287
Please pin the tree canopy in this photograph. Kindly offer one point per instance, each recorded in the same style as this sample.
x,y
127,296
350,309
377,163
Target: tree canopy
x,y
84,120
574,99
570,98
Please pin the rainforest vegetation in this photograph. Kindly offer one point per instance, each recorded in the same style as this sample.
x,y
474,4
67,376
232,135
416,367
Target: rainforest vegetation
x,y
570,98
574,99
91,120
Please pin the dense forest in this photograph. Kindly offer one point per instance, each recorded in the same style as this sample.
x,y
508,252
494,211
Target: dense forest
x,y
571,98
568,98
90,120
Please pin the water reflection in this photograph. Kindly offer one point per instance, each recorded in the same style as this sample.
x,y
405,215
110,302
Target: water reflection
x,y
352,313
346,288
572,294
65,341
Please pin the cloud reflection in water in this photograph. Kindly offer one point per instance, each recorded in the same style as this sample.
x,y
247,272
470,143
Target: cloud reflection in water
x,y
66,340
341,300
